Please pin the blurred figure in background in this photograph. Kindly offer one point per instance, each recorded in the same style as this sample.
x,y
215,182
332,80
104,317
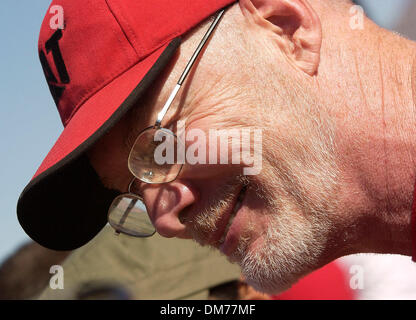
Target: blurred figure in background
x,y
25,273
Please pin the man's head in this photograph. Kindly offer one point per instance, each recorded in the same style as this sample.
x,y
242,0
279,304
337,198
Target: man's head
x,y
314,86
257,72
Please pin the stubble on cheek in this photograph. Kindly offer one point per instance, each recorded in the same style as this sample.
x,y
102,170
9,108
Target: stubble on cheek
x,y
203,221
300,192
282,249
298,187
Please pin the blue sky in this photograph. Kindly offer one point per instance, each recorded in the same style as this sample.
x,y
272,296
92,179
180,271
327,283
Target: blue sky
x,y
385,12
29,122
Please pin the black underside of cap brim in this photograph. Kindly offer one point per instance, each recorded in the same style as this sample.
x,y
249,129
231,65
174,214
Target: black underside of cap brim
x,y
66,206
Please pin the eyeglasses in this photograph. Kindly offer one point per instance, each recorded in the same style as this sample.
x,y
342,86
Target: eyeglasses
x,y
127,213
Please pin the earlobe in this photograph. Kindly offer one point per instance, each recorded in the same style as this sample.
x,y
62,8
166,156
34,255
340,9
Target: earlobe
x,y
295,26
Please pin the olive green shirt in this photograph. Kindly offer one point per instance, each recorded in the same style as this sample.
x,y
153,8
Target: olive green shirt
x,y
147,268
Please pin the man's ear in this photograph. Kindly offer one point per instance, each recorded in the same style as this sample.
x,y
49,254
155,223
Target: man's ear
x,y
295,27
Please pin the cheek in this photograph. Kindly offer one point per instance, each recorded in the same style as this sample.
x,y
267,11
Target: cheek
x,y
213,134
211,150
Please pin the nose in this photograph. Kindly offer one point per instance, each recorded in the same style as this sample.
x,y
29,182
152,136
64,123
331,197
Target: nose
x,y
165,202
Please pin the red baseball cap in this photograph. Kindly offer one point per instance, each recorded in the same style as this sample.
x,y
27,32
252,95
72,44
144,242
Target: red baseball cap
x,y
97,67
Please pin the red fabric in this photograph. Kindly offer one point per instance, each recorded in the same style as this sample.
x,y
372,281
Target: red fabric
x,y
107,46
99,108
328,283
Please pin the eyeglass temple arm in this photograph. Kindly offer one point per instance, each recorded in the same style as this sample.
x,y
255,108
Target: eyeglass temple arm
x,y
185,73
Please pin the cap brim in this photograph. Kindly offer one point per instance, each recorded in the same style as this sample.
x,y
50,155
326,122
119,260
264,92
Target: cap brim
x,y
65,205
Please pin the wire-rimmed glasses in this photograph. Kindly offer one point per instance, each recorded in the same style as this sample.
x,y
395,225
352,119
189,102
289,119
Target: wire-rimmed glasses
x,y
151,162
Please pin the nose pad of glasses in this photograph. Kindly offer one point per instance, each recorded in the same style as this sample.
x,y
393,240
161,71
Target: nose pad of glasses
x,y
166,202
